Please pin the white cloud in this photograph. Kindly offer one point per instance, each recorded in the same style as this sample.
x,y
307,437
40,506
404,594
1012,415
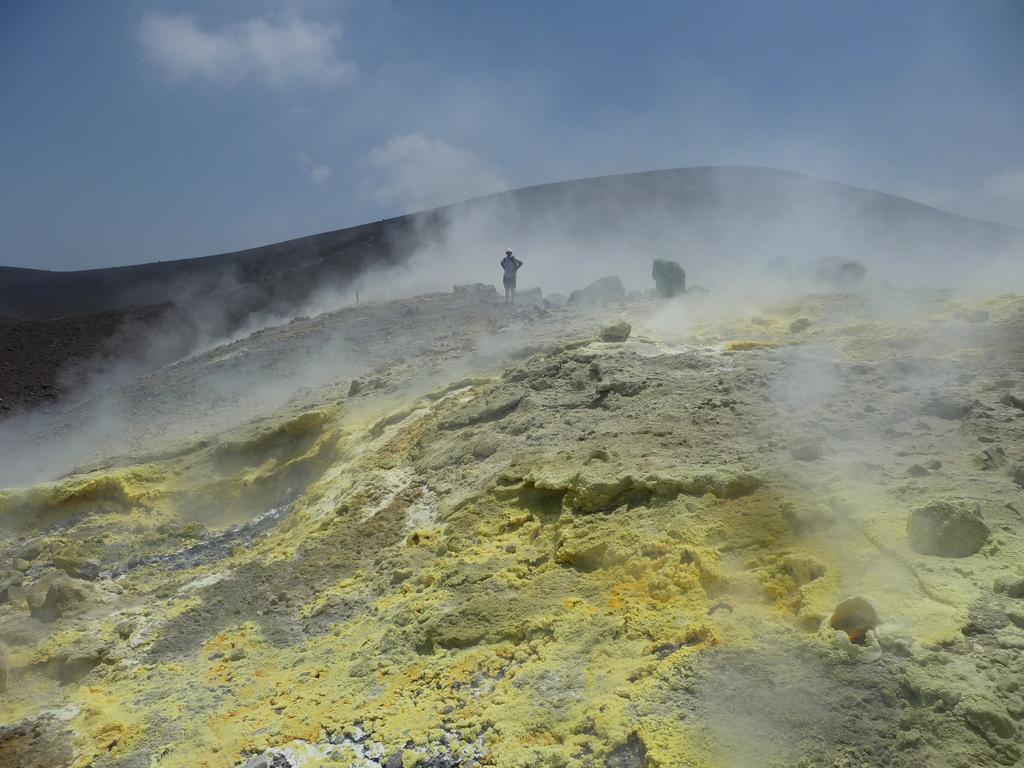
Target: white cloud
x,y
419,172
318,173
292,52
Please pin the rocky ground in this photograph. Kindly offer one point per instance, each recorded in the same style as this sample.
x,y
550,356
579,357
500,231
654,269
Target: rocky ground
x,y
464,535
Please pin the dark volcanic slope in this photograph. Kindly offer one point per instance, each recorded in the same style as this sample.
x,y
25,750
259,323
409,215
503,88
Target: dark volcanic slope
x,y
713,201
250,279
54,318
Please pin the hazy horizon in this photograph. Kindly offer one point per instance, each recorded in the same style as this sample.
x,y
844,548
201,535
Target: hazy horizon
x,y
155,131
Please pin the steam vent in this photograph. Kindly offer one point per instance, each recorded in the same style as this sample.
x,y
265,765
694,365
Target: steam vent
x,y
776,521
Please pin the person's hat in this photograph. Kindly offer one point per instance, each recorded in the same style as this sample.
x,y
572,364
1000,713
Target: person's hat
x,y
508,253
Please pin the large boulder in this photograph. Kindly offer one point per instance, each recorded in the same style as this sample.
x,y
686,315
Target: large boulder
x,y
947,529
669,278
838,273
605,290
64,594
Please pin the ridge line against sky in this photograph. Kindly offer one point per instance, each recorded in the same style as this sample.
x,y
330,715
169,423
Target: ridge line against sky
x,y
145,131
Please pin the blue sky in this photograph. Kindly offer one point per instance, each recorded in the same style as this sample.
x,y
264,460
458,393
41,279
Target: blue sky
x,y
138,131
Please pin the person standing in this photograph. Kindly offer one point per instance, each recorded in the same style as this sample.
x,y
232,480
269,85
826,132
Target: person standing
x,y
510,264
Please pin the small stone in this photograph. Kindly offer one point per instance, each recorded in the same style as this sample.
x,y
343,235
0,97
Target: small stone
x,y
236,654
947,408
62,596
916,470
616,331
984,717
79,567
485,446
475,289
806,450
1016,616
947,529
31,549
621,387
1012,401
934,465
855,616
1011,586
800,324
991,458
839,273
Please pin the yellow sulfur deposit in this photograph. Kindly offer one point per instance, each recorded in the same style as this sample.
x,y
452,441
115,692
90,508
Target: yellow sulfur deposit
x,y
585,555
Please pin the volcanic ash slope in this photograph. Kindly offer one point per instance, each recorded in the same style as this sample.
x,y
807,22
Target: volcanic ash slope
x,y
792,538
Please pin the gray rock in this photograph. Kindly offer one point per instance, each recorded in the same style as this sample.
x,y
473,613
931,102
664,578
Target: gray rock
x,y
632,754
605,290
800,324
622,387
986,718
991,458
477,289
1012,586
63,595
492,407
806,450
947,408
1012,401
485,446
839,273
31,549
855,616
947,529
616,331
72,663
78,567
529,296
669,278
